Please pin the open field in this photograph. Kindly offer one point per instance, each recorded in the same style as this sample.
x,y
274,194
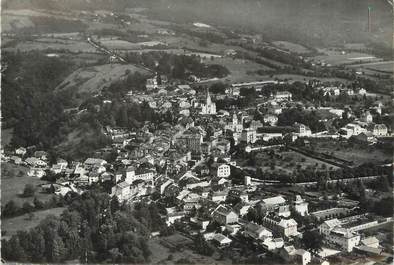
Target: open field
x,y
334,57
286,161
291,47
74,46
92,80
23,223
161,251
385,66
301,78
13,183
118,44
356,153
238,68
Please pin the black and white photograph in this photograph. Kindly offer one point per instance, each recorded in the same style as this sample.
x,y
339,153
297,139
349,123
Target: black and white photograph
x,y
197,132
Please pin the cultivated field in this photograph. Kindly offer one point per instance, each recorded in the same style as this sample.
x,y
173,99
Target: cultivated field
x,y
291,47
287,162
74,46
238,68
359,154
166,250
118,44
335,57
10,226
385,67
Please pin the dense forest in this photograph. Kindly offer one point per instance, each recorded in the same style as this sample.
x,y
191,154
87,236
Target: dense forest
x,y
37,113
28,102
177,66
94,228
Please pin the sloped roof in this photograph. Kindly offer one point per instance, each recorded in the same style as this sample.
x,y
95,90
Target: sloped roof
x,y
274,200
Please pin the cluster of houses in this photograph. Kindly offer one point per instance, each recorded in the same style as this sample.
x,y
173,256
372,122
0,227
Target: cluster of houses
x,y
192,164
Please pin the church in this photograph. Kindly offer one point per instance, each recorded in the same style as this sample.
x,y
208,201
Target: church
x,y
209,108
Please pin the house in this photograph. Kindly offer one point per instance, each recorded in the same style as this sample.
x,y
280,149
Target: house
x,y
218,196
20,151
284,211
233,228
172,217
257,231
36,172
379,130
283,95
41,155
191,201
335,234
366,117
272,244
35,162
285,227
365,137
221,170
298,256
201,223
351,129
242,208
122,191
16,159
249,135
302,130
271,203
221,240
94,162
270,119
239,193
224,215
151,83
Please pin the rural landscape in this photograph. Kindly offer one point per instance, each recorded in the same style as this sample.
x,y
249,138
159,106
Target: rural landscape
x,y
197,132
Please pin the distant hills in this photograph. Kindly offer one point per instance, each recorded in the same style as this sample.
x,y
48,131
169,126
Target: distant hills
x,y
310,21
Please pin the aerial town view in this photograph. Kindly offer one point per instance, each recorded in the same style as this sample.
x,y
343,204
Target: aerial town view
x,y
197,132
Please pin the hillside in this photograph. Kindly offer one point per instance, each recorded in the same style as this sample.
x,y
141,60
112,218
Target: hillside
x,y
319,21
91,80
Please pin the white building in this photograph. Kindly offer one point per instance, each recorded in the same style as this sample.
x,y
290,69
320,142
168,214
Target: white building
x,y
221,240
257,231
335,234
283,95
366,117
379,130
302,130
249,135
223,171
298,256
35,162
270,119
351,129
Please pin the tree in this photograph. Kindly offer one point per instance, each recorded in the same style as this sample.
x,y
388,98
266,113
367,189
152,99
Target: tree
x,y
38,204
115,205
27,207
10,209
312,240
57,249
203,247
29,190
